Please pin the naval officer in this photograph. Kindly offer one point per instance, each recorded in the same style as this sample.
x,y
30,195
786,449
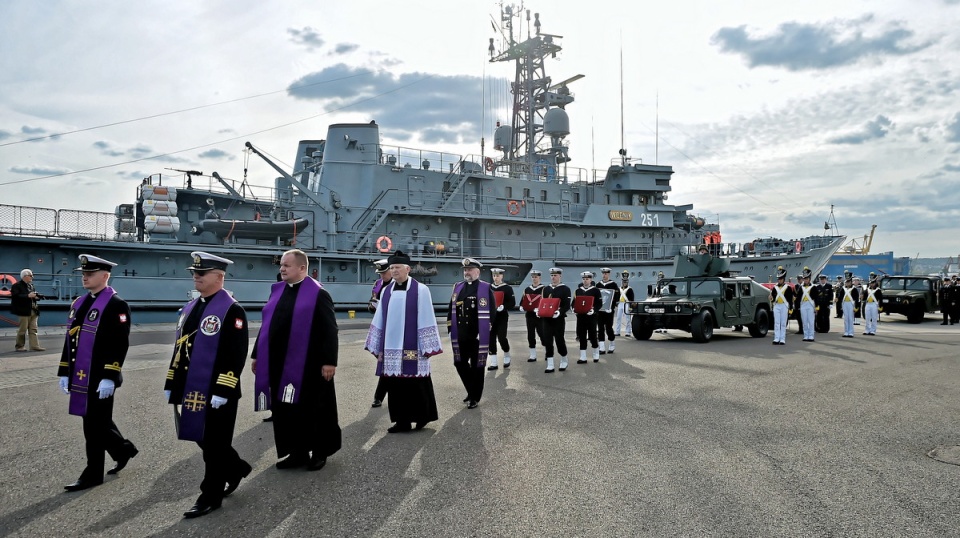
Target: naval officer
x,y
554,326
587,321
469,320
499,326
203,380
824,300
98,336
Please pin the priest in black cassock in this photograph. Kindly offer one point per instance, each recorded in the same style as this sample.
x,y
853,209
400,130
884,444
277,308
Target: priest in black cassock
x,y
403,336
295,368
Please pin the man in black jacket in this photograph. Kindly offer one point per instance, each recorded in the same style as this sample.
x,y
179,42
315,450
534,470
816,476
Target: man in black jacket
x,y
23,304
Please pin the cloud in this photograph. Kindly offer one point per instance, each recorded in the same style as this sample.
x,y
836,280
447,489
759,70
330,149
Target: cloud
x,y
873,129
5,135
39,170
798,46
344,48
951,128
106,149
27,130
429,105
216,154
306,37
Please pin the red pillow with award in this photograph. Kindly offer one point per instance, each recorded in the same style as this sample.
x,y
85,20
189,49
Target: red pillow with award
x,y
498,298
529,301
548,305
582,304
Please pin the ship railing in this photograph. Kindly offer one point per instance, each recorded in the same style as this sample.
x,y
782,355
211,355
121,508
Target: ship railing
x,y
404,157
261,193
44,222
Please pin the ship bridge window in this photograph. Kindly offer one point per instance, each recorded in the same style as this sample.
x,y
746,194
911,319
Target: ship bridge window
x,y
606,198
543,196
508,192
526,193
576,197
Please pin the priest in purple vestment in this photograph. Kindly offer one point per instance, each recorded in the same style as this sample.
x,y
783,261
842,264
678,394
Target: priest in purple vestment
x,y
403,336
295,368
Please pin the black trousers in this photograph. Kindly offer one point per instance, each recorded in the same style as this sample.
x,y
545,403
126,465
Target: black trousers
x,y
221,461
498,332
534,329
311,425
605,326
586,329
822,319
471,372
101,435
381,391
553,329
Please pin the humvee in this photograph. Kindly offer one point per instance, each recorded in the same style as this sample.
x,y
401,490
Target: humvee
x,y
911,296
700,298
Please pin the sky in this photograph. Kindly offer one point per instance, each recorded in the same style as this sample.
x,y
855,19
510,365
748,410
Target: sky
x,y
770,113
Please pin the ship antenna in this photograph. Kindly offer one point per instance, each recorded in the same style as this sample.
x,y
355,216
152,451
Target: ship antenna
x,y
623,150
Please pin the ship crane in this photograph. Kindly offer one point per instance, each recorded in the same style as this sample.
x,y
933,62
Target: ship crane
x,y
862,248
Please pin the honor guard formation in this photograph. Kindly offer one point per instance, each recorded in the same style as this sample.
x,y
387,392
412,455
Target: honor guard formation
x,y
294,370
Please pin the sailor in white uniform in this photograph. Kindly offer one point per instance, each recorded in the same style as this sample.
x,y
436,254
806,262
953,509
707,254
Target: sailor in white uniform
x,y
807,302
781,297
847,298
623,311
872,299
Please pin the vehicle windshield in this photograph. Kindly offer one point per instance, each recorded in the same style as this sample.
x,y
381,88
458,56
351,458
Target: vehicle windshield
x,y
914,284
682,288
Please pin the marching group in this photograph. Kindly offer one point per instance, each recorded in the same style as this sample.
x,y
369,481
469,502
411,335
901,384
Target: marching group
x,y
294,370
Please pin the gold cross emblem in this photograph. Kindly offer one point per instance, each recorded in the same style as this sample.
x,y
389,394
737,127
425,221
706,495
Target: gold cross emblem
x,y
195,401
81,375
410,355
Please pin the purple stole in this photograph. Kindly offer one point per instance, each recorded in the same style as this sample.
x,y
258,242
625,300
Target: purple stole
x,y
80,379
483,321
291,380
203,356
375,293
409,366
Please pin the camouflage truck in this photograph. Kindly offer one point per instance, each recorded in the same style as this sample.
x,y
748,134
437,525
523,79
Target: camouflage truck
x,y
700,298
911,296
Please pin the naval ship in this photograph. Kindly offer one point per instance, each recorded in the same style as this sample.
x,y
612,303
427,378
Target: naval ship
x,y
353,199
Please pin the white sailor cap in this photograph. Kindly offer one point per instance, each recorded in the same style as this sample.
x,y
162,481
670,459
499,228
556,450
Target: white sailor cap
x,y
382,266
90,263
556,271
496,271
204,261
606,270
535,272
586,274
470,262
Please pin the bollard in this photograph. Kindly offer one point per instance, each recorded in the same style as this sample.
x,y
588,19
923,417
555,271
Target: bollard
x,y
351,314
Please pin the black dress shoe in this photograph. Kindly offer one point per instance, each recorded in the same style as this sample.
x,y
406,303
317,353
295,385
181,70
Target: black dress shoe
x,y
603,352
492,367
316,462
531,360
420,425
82,484
506,365
581,361
399,427
200,509
293,461
467,399
472,404
232,483
377,403
122,462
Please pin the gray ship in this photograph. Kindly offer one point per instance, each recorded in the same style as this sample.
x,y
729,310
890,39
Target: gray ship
x,y
354,199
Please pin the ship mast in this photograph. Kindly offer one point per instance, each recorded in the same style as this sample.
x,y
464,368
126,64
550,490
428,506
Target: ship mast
x,y
533,95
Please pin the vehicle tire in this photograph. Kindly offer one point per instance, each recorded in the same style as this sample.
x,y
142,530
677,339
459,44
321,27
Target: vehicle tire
x,y
641,330
916,313
761,323
701,326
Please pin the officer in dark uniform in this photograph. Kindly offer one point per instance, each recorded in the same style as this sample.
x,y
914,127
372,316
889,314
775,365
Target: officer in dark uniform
x,y
382,268
836,289
945,296
499,329
98,336
605,317
955,300
587,321
824,300
203,381
473,311
534,326
554,327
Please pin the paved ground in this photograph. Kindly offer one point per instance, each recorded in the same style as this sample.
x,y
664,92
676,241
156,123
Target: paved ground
x,y
662,438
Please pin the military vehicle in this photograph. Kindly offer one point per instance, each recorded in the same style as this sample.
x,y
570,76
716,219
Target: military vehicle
x,y
911,296
701,297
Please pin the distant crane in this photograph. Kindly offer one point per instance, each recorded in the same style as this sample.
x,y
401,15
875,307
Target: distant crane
x,y
863,247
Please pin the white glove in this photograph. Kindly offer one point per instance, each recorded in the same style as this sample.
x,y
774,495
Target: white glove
x,y
106,388
500,308
65,384
590,312
166,395
536,311
217,401
556,314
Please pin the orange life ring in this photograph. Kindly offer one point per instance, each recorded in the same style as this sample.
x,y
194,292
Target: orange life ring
x,y
4,292
384,244
513,207
489,165
798,247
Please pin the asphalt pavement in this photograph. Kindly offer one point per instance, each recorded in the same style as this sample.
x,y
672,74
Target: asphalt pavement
x,y
667,437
